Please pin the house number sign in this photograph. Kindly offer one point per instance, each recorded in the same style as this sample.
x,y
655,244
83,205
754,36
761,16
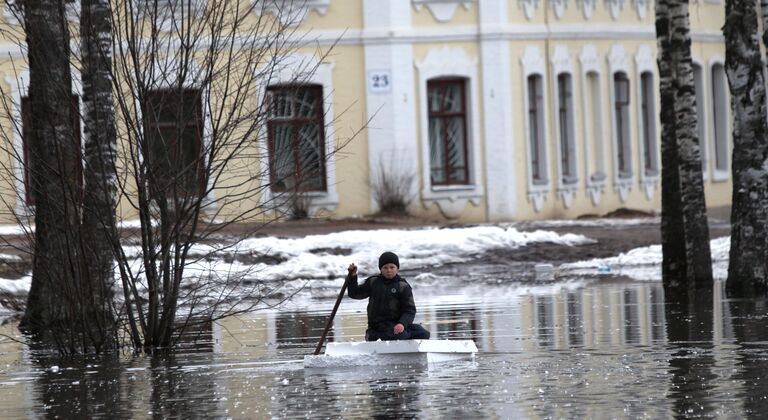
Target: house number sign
x,y
379,81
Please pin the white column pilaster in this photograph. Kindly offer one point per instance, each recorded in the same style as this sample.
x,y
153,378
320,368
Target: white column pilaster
x,y
392,136
500,160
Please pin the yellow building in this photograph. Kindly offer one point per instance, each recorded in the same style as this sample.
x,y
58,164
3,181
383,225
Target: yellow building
x,y
491,110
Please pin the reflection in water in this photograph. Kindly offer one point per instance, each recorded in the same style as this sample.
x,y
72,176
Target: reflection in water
x,y
603,350
690,334
750,327
76,387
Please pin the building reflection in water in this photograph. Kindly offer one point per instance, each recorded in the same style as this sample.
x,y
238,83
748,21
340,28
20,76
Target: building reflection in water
x,y
697,358
623,314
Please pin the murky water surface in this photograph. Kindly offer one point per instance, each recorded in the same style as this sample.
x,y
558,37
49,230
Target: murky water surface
x,y
597,350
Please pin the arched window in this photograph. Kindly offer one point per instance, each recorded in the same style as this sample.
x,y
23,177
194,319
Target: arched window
x,y
447,113
621,103
701,120
720,120
648,115
566,130
537,130
296,138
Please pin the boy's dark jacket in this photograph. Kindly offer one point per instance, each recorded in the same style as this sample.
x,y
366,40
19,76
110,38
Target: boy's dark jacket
x,y
390,301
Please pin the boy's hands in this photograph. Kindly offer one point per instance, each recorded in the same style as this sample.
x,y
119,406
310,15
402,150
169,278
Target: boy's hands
x,y
399,328
352,270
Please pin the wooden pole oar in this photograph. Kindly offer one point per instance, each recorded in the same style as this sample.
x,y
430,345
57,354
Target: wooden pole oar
x,y
330,318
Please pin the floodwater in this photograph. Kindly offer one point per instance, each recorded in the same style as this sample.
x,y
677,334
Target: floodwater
x,y
603,348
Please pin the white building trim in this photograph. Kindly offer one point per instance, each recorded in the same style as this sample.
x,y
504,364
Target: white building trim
x,y
645,62
442,10
562,63
501,164
391,108
719,174
444,62
533,63
593,133
617,62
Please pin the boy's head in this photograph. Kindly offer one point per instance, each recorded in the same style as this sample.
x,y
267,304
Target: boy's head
x,y
389,264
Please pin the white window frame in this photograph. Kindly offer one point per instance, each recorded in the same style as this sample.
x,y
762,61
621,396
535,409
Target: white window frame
x,y
618,63
594,172
719,174
451,62
562,65
645,63
19,86
702,128
300,67
533,64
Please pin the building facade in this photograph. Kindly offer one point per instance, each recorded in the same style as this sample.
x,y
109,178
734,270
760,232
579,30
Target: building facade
x,y
490,110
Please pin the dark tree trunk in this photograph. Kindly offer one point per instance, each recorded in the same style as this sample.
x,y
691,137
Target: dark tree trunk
x,y
749,205
687,259
54,309
100,142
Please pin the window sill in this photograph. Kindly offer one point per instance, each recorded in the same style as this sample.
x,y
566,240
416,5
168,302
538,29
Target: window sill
x,y
720,176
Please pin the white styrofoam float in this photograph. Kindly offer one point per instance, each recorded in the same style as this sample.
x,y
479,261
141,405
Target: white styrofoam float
x,y
365,353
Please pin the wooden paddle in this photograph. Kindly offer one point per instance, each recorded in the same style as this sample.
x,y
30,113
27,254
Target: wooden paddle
x,y
330,318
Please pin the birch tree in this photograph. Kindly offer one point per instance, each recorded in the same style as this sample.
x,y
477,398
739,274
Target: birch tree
x,y
99,149
59,307
749,203
687,261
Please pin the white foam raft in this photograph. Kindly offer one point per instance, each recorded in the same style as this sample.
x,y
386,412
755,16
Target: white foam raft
x,y
364,353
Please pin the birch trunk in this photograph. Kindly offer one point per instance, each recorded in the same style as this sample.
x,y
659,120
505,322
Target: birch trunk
x,y
687,260
55,306
100,177
749,205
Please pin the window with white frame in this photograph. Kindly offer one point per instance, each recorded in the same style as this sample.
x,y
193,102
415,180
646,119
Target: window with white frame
x,y
621,109
448,154
595,127
565,124
174,127
701,121
296,138
720,113
536,129
648,113
26,124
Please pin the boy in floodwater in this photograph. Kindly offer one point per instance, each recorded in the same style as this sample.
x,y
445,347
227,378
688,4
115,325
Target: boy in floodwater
x,y
391,308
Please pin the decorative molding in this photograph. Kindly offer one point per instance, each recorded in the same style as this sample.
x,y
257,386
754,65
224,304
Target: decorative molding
x,y
440,62
561,63
537,198
587,7
533,63
567,193
646,62
594,171
441,10
290,12
559,6
529,7
617,62
641,6
614,6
